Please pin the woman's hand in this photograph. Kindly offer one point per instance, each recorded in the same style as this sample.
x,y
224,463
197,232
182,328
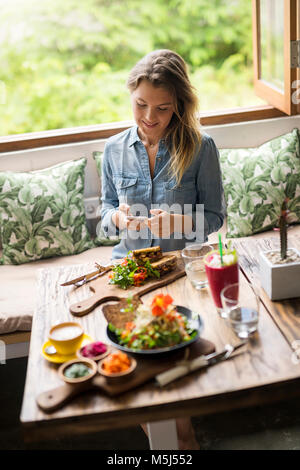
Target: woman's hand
x,y
163,224
120,219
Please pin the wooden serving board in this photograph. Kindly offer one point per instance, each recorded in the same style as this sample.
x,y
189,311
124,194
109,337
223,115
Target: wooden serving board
x,y
105,292
147,368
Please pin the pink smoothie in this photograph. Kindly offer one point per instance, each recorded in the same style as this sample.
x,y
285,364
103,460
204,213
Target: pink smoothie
x,y
220,276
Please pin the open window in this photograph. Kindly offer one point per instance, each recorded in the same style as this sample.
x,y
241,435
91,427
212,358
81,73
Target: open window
x,y
275,52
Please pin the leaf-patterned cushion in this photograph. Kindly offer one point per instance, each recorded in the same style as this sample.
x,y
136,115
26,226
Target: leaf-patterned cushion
x,y
42,213
101,239
256,180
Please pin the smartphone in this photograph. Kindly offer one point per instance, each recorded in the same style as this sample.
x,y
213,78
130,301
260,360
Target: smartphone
x,y
138,218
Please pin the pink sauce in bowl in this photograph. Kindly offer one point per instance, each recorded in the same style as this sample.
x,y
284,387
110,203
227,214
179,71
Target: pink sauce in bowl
x,y
96,350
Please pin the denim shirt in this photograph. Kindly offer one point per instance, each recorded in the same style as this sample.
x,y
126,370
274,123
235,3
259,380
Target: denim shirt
x,y
126,179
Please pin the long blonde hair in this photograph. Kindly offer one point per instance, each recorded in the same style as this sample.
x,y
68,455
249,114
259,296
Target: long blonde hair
x,y
165,68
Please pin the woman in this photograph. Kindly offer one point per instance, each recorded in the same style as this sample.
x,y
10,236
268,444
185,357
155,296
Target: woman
x,y
163,168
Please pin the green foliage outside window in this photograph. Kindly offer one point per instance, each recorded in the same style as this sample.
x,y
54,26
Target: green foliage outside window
x,y
65,63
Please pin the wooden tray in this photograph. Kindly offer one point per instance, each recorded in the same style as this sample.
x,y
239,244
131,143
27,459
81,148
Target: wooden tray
x,y
105,292
147,369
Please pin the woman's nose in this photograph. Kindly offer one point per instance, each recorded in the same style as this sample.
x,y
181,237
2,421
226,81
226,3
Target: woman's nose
x,y
150,115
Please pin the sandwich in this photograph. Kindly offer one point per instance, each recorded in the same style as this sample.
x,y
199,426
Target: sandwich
x,y
151,254
165,264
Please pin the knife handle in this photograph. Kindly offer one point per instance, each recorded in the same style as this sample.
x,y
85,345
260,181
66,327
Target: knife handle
x,y
183,368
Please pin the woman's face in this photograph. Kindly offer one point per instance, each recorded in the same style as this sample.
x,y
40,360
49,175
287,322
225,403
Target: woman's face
x,y
152,109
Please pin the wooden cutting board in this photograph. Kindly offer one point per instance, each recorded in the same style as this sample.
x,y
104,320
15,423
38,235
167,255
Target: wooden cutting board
x,y
147,368
105,292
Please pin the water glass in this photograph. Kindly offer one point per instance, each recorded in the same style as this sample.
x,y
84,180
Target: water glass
x,y
193,257
241,308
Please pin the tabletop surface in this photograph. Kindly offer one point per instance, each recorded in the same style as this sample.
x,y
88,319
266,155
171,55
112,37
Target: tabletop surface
x,y
264,373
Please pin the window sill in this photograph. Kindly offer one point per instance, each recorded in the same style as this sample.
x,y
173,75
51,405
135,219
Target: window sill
x,y
103,131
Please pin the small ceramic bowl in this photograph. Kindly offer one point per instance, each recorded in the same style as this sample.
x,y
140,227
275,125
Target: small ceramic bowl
x,y
66,346
117,376
74,380
94,358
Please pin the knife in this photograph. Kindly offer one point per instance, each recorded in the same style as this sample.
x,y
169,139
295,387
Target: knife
x,y
185,367
89,277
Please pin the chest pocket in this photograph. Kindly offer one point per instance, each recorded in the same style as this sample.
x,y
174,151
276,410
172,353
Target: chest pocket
x,y
128,189
185,193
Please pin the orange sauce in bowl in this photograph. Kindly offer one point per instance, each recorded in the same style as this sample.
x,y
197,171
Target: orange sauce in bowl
x,y
116,362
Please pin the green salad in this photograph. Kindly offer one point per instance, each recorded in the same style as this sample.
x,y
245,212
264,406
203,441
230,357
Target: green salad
x,y
156,325
129,273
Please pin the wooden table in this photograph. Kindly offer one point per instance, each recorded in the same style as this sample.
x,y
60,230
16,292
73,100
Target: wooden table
x,y
265,373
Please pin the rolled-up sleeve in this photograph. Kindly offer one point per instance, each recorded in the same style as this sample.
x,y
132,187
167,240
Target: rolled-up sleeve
x,y
109,196
210,193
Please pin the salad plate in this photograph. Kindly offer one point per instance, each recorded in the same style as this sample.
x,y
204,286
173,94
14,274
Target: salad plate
x,y
194,321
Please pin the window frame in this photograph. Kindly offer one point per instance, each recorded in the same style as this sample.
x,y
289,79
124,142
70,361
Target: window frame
x,y
282,101
74,135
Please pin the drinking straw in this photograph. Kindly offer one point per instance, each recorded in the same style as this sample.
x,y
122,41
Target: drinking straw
x,y
221,249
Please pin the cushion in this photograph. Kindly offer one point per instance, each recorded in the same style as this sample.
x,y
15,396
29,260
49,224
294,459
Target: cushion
x,y
101,239
256,181
42,213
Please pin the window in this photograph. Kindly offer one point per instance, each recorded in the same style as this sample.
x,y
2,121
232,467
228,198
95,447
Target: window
x,y
170,22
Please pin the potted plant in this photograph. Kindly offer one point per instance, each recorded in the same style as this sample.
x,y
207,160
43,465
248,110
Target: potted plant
x,y
280,269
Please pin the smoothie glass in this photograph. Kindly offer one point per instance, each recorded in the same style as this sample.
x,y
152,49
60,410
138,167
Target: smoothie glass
x,y
221,275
